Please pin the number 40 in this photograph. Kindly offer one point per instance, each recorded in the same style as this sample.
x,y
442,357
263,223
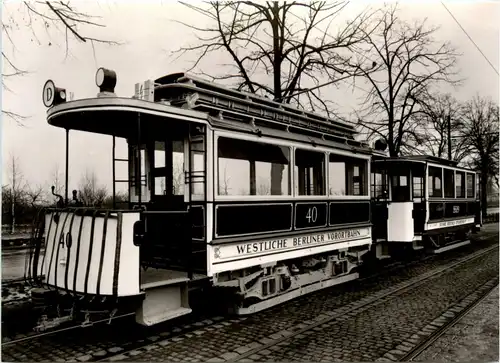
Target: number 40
x,y
312,215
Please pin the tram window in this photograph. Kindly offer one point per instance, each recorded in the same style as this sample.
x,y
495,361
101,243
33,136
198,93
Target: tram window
x,y
347,176
178,168
379,184
418,187
252,168
470,185
460,184
160,157
160,185
310,172
435,189
138,173
449,185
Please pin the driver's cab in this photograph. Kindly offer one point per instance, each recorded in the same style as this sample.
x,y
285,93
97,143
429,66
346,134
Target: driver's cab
x,y
160,169
167,181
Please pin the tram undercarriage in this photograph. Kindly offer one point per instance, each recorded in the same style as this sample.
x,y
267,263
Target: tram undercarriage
x,y
265,286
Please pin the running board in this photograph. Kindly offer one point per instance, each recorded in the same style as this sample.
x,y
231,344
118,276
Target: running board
x,y
163,301
451,247
295,293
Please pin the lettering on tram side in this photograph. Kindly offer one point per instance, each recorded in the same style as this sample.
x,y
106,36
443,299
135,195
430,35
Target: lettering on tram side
x,y
289,243
450,223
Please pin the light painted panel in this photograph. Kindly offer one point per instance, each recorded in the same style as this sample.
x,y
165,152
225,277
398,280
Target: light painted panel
x,y
128,278
231,256
400,222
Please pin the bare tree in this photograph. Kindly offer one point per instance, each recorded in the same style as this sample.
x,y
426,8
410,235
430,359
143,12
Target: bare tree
x,y
400,62
57,179
17,186
35,195
37,15
91,193
479,126
439,113
263,39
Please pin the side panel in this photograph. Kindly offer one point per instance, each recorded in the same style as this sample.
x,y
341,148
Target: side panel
x,y
400,222
92,254
444,214
243,254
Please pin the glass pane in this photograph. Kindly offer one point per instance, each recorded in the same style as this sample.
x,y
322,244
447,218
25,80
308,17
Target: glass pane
x,y
347,176
252,168
178,173
337,178
160,184
309,168
449,183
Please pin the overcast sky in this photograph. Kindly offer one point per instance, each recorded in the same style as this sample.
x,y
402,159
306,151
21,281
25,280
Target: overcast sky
x,y
150,35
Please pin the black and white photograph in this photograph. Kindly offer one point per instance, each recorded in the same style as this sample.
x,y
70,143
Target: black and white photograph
x,y
250,181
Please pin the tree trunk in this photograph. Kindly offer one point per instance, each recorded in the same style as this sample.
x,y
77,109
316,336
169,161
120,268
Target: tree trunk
x,y
484,195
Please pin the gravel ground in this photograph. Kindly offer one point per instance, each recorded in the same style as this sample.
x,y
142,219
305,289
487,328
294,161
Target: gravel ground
x,y
473,339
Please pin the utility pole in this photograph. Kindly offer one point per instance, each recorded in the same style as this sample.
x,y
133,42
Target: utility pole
x,y
13,198
449,137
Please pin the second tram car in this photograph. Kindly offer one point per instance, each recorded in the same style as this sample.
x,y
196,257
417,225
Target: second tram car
x,y
230,190
422,202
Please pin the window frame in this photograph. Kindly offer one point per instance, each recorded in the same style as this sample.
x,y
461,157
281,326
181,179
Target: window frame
x,y
433,182
365,176
474,182
292,145
463,184
237,137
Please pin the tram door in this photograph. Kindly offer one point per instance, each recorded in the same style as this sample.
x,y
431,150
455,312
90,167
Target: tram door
x,y
167,175
400,208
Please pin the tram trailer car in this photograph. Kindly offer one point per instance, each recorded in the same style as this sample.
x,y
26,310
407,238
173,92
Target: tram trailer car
x,y
272,203
422,202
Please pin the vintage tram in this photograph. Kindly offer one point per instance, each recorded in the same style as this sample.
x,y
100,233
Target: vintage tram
x,y
422,202
270,203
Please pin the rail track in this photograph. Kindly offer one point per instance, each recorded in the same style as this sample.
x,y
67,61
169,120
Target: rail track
x,y
364,303
447,321
198,322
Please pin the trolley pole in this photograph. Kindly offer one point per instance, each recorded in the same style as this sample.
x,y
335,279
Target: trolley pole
x,y
449,137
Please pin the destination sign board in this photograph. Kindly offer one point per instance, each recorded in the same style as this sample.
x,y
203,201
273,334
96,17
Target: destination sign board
x,y
285,244
444,224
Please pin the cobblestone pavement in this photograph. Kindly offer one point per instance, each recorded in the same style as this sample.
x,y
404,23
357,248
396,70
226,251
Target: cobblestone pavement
x,y
363,336
473,339
217,337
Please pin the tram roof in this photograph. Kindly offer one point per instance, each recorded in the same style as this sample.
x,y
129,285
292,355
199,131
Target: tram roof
x,y
182,97
189,91
422,159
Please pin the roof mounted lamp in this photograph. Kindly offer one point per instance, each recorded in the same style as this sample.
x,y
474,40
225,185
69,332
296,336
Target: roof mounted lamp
x,y
380,145
52,95
105,79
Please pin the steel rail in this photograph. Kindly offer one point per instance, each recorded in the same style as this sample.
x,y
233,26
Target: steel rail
x,y
421,347
405,287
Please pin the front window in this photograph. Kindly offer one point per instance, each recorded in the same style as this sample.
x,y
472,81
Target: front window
x,y
418,187
379,184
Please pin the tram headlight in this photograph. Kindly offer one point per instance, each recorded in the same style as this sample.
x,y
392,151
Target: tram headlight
x,y
105,79
52,95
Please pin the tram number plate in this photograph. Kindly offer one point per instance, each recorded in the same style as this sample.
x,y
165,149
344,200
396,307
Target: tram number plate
x,y
309,215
